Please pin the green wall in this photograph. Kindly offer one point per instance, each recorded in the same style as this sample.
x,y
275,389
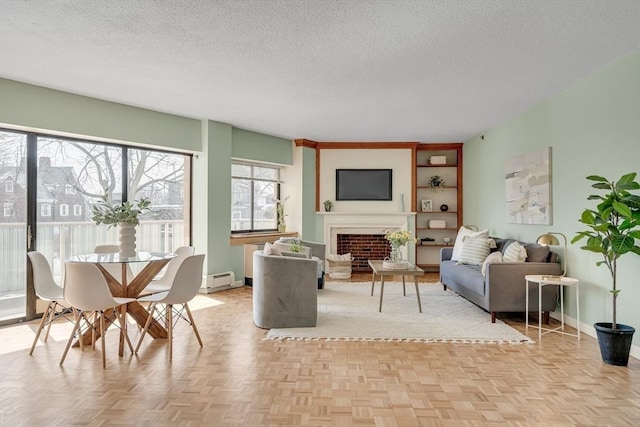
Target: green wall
x,y
309,218
54,111
260,147
593,127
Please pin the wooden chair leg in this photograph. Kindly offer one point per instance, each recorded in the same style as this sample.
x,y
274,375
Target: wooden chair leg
x,y
170,329
123,320
146,327
45,316
73,334
102,340
193,324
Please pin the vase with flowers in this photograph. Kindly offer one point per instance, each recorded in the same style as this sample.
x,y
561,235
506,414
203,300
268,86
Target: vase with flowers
x,y
397,239
282,225
125,216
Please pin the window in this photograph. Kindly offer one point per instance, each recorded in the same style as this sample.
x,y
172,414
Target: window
x,y
77,210
64,210
8,186
8,209
45,209
68,189
254,191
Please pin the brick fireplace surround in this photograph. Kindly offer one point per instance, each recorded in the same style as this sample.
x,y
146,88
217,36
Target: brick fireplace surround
x,y
363,247
362,234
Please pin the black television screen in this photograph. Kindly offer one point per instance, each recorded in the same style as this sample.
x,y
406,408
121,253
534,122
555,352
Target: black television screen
x,y
363,184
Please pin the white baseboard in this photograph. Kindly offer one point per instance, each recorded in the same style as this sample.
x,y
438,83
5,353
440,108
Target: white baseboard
x,y
591,331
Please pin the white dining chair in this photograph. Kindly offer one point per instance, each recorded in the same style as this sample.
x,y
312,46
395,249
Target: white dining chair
x,y
164,282
184,288
47,290
87,291
114,269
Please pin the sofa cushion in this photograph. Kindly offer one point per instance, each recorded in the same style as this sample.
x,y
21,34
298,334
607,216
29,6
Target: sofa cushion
x,y
515,252
475,250
536,252
493,257
459,243
469,277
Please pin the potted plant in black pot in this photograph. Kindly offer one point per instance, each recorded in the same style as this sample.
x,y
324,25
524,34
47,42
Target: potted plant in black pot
x,y
614,226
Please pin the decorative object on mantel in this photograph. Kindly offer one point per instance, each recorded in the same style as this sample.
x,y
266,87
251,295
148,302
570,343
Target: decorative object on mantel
x,y
444,207
397,239
614,227
436,183
282,225
328,205
125,216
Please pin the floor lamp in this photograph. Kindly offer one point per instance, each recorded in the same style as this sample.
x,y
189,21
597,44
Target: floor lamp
x,y
550,239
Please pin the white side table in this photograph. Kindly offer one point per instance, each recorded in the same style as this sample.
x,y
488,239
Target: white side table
x,y
542,281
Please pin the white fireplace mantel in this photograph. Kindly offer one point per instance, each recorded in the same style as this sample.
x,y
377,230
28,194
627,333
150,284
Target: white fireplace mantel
x,y
360,223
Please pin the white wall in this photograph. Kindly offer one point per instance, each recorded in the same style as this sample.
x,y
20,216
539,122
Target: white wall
x,y
399,160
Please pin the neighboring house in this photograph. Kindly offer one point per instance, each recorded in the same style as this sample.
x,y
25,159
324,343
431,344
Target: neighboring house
x,y
57,199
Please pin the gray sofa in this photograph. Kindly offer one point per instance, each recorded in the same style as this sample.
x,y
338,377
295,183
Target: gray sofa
x,y
502,289
285,293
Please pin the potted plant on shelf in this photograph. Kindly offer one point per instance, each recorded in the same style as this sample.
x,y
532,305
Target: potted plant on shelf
x,y
328,205
282,225
614,227
125,216
436,183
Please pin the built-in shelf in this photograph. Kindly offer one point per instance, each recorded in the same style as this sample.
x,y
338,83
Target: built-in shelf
x,y
369,213
428,254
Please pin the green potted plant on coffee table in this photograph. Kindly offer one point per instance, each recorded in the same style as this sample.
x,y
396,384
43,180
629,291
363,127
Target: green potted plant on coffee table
x,y
614,227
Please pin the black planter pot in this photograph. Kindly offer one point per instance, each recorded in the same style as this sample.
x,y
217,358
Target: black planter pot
x,y
615,344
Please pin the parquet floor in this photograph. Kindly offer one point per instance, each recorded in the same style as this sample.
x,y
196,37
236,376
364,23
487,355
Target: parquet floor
x,y
237,379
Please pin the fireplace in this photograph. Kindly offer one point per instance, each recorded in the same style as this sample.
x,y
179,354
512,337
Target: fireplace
x,y
362,248
362,234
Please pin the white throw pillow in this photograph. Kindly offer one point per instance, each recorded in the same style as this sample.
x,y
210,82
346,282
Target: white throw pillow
x,y
515,252
345,257
462,233
493,257
270,249
475,250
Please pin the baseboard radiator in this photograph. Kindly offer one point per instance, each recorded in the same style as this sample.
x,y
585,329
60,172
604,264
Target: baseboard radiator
x,y
219,282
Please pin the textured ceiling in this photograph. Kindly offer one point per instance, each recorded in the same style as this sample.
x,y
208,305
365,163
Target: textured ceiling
x,y
326,70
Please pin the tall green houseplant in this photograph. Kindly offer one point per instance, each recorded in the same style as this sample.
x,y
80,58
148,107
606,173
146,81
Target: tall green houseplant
x,y
614,225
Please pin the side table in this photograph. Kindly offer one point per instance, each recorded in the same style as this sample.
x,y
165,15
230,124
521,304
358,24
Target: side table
x,y
543,280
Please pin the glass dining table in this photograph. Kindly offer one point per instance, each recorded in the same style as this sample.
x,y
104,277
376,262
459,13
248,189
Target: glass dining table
x,y
128,287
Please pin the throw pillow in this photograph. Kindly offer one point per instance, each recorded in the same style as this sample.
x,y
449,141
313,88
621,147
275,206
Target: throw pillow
x,y
459,243
475,250
515,252
270,249
536,252
493,257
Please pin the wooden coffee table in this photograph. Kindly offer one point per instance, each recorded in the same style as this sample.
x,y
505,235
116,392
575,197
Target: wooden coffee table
x,y
376,266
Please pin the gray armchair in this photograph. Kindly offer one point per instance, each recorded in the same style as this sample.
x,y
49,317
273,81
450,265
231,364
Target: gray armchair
x,y
285,291
317,250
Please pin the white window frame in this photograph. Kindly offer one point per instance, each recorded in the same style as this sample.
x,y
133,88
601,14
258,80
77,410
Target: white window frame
x,y
45,210
8,209
77,210
64,209
278,182
9,186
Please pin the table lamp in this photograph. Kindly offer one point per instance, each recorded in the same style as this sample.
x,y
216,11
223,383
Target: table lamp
x,y
550,239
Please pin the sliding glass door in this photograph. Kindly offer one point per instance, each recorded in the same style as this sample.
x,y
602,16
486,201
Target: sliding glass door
x,y
52,211
13,225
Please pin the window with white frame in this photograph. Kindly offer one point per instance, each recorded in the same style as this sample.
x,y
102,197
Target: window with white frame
x,y
254,191
45,209
77,210
8,186
8,209
64,210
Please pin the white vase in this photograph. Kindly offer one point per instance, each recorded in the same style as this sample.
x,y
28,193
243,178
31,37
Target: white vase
x,y
127,240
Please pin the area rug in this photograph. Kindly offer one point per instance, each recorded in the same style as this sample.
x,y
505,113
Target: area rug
x,y
347,311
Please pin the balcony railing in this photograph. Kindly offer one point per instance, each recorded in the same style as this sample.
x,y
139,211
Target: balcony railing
x,y
60,240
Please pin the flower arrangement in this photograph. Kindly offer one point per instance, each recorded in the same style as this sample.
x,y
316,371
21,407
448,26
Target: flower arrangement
x,y
124,213
280,211
398,238
436,182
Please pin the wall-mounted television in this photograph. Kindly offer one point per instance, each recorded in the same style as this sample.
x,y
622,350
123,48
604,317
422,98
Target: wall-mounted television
x,y
363,184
